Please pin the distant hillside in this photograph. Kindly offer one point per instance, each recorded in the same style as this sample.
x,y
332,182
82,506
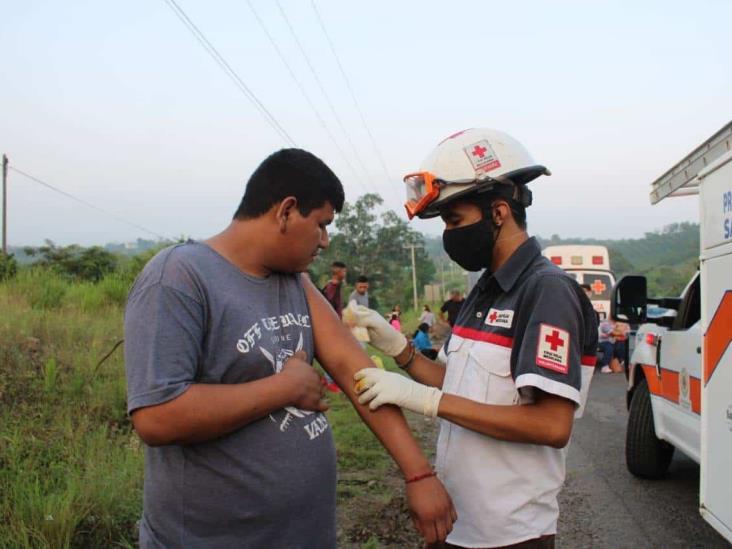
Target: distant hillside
x,y
668,257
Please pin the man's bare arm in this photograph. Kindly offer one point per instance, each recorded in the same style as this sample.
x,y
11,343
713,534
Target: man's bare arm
x,y
342,356
208,411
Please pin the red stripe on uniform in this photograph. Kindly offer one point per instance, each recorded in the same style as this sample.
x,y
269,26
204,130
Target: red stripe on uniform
x,y
477,335
588,360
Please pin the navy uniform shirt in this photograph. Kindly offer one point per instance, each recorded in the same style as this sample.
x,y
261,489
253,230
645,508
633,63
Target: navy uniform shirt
x,y
542,314
527,326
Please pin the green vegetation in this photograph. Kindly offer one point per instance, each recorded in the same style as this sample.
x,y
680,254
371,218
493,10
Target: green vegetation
x,y
376,246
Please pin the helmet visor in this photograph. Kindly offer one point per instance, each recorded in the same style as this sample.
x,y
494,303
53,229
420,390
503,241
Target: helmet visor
x,y
422,189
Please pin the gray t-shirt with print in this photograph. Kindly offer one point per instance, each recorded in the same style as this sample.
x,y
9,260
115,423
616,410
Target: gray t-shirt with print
x,y
193,317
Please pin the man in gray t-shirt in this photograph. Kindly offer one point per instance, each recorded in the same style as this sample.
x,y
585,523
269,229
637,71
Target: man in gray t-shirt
x,y
219,340
360,294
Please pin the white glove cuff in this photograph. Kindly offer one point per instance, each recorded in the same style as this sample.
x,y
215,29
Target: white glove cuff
x,y
432,402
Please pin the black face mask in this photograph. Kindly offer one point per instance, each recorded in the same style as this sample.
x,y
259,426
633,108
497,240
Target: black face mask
x,y
471,246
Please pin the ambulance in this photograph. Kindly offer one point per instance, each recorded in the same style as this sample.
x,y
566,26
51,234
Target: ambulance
x,y
680,380
588,265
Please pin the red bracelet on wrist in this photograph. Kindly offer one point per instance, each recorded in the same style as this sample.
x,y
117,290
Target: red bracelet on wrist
x,y
420,477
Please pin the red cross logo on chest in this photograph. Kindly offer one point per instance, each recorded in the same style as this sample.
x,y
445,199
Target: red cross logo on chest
x,y
479,151
554,340
493,316
598,287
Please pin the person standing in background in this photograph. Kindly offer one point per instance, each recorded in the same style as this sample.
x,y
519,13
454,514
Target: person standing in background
x,y
452,307
427,317
361,293
332,290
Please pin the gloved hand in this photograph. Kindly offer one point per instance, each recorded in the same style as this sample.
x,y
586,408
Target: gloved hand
x,y
381,334
377,387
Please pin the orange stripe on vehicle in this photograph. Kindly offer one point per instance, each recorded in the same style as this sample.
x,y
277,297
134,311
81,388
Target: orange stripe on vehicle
x,y
667,386
718,336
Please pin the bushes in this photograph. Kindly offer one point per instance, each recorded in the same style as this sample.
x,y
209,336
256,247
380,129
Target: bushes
x,y
70,466
8,266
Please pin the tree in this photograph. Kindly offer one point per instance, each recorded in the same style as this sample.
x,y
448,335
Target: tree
x,y
8,266
376,246
74,261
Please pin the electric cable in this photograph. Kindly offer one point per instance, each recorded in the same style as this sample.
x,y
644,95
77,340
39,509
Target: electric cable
x,y
87,204
304,93
350,91
230,72
322,90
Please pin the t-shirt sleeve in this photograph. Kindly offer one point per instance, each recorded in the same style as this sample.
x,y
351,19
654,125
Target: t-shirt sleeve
x,y
549,354
164,332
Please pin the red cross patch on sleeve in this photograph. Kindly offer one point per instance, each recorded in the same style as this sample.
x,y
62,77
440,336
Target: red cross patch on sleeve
x,y
552,349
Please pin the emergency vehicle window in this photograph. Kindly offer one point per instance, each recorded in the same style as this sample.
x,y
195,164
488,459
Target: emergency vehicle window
x,y
690,309
600,285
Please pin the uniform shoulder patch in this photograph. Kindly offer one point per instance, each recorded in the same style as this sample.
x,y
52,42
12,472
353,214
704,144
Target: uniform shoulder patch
x,y
552,349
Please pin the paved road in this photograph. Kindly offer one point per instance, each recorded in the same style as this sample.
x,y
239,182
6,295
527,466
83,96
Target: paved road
x,y
603,505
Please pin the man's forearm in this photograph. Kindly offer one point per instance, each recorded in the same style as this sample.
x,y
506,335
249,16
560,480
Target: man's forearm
x,y
547,421
387,423
206,411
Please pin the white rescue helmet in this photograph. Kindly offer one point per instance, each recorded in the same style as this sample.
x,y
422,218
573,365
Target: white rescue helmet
x,y
474,160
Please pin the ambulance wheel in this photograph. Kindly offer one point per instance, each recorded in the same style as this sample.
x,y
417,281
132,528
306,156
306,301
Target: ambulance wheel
x,y
646,455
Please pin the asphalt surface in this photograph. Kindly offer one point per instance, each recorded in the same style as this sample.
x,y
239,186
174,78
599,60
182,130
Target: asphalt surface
x,y
603,505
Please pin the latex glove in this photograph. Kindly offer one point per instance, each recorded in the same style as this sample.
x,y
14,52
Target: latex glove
x,y
381,334
377,387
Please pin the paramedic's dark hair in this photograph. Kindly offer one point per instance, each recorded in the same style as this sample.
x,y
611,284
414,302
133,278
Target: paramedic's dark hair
x,y
290,172
504,192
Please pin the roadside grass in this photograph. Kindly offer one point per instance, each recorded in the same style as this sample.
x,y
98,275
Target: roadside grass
x,y
71,467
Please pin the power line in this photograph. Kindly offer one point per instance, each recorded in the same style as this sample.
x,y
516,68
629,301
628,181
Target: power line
x,y
87,204
304,93
322,89
350,91
230,72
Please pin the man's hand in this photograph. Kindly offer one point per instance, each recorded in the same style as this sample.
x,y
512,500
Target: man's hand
x,y
381,334
431,509
304,383
377,387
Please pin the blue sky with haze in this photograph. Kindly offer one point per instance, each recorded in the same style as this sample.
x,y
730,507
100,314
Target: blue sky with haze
x,y
116,103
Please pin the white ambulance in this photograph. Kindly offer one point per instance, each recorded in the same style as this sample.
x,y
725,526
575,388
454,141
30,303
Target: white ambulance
x,y
588,265
680,380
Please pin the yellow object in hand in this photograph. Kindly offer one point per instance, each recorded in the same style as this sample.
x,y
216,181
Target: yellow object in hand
x,y
377,360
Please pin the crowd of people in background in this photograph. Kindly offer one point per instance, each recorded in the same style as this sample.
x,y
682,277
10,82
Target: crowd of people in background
x,y
428,321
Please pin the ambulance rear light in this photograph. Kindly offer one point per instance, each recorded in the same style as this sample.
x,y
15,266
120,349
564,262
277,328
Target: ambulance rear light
x,y
557,260
576,260
597,260
651,339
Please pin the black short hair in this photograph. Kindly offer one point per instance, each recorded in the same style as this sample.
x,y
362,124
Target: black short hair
x,y
338,265
362,278
424,327
290,172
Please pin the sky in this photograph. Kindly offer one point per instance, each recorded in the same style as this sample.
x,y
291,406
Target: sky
x,y
117,104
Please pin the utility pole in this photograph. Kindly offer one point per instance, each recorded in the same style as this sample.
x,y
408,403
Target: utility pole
x,y
414,279
5,205
414,276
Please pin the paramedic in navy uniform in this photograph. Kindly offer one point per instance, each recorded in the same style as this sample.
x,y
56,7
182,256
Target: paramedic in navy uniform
x,y
519,359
